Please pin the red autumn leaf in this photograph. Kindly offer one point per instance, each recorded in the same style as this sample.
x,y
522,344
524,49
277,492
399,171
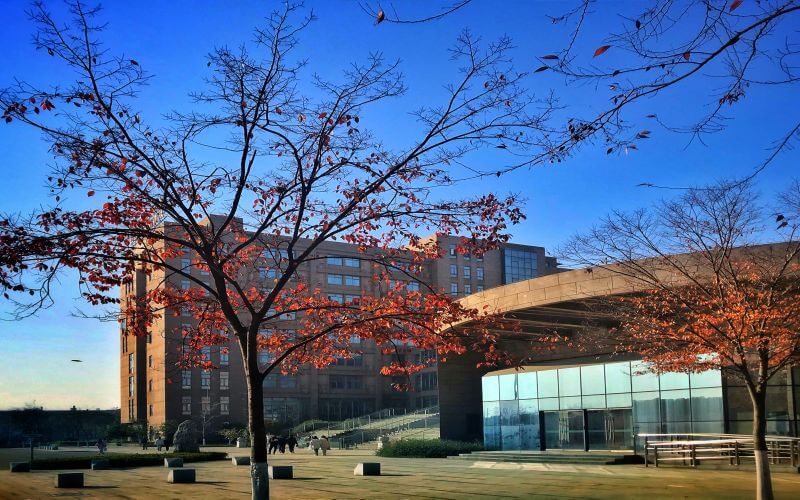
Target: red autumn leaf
x,y
543,68
380,17
686,55
601,50
323,115
90,194
134,62
734,5
550,57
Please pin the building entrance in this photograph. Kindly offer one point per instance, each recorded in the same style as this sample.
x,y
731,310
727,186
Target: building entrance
x,y
610,429
588,429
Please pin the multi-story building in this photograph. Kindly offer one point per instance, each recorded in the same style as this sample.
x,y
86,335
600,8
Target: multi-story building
x,y
155,390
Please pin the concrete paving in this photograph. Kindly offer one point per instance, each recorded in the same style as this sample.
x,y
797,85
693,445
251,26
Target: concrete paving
x,y
331,477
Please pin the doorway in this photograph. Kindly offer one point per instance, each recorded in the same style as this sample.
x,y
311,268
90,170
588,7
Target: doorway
x,y
610,429
564,430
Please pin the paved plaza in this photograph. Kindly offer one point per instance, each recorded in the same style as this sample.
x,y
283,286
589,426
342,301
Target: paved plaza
x,y
332,477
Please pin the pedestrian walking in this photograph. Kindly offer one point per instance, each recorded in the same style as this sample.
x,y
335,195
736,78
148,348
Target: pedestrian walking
x,y
159,443
167,442
292,442
273,445
315,444
324,445
282,444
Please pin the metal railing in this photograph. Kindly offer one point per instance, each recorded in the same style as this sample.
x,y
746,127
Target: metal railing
x,y
423,418
693,449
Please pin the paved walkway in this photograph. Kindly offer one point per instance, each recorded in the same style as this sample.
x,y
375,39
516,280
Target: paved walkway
x,y
332,477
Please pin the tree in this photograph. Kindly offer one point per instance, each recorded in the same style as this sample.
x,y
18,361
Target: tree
x,y
733,48
711,296
248,184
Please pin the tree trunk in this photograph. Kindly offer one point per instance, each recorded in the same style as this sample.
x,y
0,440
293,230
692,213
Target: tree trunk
x,y
259,478
763,476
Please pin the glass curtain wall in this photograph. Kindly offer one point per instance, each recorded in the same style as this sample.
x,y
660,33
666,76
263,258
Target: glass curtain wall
x,y
516,404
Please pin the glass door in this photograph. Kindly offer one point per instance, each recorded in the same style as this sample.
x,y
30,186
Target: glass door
x,y
610,429
564,429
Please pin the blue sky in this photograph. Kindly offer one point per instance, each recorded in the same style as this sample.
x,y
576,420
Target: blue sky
x,y
171,39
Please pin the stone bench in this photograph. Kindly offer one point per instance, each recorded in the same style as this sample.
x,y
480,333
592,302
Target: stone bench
x,y
173,462
181,476
19,467
241,460
101,464
368,469
280,472
69,480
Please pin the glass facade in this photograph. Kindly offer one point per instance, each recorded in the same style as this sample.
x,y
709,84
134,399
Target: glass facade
x,y
598,406
519,265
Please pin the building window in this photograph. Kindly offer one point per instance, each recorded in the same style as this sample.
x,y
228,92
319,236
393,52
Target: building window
x,y
479,288
224,381
412,286
335,279
186,379
467,256
453,271
150,385
425,381
467,289
333,261
130,363
224,358
186,405
150,410
224,405
205,405
205,380
354,360
130,386
452,250
267,273
352,299
350,262
186,312
185,284
519,265
206,353
186,265
150,361
336,297
352,280
346,382
467,272
453,288
479,273
130,410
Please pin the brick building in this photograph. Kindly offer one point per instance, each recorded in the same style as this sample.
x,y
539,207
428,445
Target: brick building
x,y
154,390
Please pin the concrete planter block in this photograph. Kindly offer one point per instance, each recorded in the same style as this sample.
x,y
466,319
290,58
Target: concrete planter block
x,y
241,460
101,464
242,443
280,472
367,469
181,476
69,480
19,467
173,462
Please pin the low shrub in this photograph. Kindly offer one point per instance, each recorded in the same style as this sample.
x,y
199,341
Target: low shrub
x,y
427,448
122,460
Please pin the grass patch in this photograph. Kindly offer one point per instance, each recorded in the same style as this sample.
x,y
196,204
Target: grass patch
x,y
122,460
427,448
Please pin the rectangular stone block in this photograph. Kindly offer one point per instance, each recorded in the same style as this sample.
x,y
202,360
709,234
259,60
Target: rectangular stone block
x,y
69,480
280,472
101,464
173,462
19,467
181,476
241,460
368,469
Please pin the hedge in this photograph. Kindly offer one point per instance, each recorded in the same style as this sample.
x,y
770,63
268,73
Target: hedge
x,y
427,448
121,460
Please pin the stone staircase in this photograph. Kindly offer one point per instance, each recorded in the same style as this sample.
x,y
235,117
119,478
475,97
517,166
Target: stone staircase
x,y
553,457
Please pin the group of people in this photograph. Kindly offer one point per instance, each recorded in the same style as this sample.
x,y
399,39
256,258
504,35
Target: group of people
x,y
160,442
319,443
279,443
